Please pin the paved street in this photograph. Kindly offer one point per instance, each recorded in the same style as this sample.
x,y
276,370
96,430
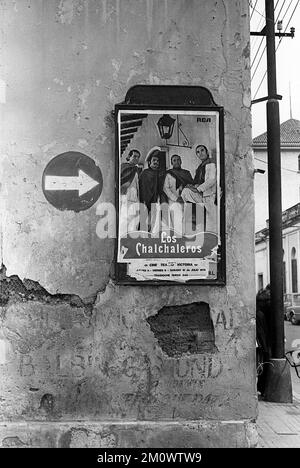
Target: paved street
x,y
279,423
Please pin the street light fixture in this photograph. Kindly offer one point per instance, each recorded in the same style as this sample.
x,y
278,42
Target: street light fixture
x,y
166,126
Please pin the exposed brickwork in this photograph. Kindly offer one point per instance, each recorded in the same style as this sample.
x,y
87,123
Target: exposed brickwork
x,y
184,329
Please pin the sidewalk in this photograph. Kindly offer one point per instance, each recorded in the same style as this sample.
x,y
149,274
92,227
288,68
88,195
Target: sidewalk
x,y
278,424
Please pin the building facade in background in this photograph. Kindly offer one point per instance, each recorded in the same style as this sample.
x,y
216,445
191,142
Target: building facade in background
x,y
290,170
290,177
291,249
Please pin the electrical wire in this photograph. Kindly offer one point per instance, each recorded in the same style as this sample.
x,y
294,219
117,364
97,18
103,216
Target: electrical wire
x,y
253,8
276,49
282,5
261,20
286,11
289,21
259,86
257,38
274,25
261,56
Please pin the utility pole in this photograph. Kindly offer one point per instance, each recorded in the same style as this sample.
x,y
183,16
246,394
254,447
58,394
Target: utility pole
x,y
278,386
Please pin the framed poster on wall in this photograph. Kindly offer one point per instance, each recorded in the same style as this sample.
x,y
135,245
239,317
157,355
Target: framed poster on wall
x,y
170,195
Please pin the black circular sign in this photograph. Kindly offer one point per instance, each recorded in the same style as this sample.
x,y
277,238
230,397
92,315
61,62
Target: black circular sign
x,y
72,181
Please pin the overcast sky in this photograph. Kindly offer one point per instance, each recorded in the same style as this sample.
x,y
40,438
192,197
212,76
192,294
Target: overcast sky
x,y
288,63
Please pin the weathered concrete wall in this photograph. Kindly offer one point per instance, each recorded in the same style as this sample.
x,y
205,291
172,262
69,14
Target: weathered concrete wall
x,y
131,434
82,348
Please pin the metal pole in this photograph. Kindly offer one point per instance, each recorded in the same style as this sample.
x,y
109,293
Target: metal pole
x,y
278,381
274,180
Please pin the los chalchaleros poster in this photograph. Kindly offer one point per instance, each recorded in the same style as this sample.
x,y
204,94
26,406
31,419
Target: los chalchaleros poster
x,y
169,195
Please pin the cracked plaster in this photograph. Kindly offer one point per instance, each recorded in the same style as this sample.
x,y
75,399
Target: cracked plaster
x,y
107,364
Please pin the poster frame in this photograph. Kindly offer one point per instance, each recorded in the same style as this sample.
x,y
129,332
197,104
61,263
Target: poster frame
x,y
120,269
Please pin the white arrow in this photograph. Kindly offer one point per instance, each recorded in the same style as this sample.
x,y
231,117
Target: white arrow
x,y
83,183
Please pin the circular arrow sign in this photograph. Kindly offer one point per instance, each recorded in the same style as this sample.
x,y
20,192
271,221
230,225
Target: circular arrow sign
x,y
72,181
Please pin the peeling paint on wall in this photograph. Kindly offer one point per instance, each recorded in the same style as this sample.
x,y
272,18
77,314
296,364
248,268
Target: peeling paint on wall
x,y
13,289
116,66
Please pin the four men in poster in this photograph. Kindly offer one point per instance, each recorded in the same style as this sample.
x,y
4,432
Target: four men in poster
x,y
152,187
